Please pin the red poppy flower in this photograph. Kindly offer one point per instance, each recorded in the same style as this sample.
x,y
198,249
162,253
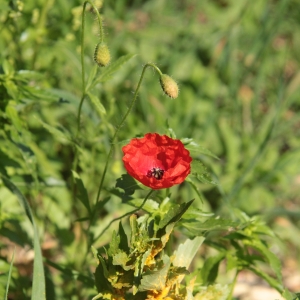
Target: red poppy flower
x,y
157,161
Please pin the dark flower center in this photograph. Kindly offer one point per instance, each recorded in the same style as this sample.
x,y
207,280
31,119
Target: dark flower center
x,y
157,173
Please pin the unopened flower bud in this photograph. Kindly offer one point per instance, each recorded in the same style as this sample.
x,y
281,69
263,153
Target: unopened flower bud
x,y
169,86
102,55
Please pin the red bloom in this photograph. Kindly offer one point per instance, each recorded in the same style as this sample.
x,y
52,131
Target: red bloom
x,y
157,161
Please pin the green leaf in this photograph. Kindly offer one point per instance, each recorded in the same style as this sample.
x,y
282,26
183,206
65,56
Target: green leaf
x,y
186,252
7,67
209,271
99,107
114,244
270,280
133,228
56,133
38,284
120,259
5,160
190,180
287,295
13,116
195,213
123,239
12,89
36,94
197,228
156,280
272,259
26,75
9,274
91,77
101,282
192,146
82,194
174,214
128,185
200,172
111,69
150,206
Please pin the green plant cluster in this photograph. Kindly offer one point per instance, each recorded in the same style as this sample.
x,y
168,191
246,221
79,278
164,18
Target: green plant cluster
x,y
237,66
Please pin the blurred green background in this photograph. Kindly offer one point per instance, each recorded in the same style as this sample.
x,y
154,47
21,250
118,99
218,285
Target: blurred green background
x,y
237,65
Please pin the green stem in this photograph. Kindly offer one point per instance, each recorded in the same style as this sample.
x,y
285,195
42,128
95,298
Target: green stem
x,y
82,55
233,285
122,123
125,215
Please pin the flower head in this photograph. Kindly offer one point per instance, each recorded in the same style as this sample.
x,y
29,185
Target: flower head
x,y
157,161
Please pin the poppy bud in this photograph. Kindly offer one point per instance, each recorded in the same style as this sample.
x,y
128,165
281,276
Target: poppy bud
x,y
169,86
102,55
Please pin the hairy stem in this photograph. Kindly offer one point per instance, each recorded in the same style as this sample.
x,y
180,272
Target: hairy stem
x,y
122,123
82,55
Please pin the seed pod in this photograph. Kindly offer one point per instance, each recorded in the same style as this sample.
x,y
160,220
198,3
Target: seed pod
x,y
102,55
169,86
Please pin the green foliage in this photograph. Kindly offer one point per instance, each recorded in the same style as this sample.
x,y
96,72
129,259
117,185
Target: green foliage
x,y
38,282
236,64
142,265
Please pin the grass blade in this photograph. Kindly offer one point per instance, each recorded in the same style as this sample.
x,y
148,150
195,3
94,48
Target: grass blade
x,y
9,274
38,284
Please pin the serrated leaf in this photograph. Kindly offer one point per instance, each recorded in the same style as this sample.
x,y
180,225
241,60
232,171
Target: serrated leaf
x,y
155,280
174,214
165,237
133,228
99,107
150,206
112,68
209,271
81,194
114,244
197,227
195,213
201,173
192,146
120,259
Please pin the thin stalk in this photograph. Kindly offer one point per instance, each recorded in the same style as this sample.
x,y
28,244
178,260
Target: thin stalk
x,y
122,123
82,55
125,215
233,285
